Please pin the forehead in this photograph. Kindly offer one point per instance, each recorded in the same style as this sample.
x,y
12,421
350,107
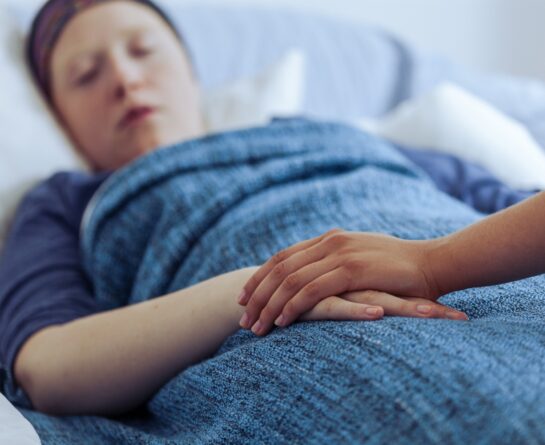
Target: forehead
x,y
100,25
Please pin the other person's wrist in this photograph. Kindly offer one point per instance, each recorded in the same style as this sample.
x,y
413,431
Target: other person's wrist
x,y
438,266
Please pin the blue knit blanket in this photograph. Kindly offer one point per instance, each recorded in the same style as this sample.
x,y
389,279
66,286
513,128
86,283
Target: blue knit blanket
x,y
189,212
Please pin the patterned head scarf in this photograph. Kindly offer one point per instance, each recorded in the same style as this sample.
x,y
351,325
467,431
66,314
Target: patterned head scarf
x,y
48,26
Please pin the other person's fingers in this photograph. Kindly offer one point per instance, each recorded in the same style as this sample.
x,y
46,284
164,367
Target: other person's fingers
x,y
308,297
263,309
281,256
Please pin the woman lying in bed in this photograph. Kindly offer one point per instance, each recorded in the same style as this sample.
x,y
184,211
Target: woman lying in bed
x,y
122,85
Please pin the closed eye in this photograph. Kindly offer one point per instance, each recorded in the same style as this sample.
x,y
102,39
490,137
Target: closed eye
x,y
143,45
141,51
87,78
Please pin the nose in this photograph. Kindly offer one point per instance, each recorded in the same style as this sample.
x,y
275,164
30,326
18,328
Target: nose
x,y
126,77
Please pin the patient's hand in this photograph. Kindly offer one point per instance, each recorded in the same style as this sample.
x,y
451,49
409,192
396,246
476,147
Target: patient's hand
x,y
373,305
298,278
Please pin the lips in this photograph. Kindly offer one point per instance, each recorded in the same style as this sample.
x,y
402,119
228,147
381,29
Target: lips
x,y
135,115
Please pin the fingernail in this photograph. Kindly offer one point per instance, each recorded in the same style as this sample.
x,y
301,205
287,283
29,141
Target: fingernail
x,y
257,327
372,311
279,321
244,320
423,309
241,296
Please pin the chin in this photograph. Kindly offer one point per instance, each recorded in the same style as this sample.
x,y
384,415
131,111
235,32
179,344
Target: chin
x,y
147,144
134,154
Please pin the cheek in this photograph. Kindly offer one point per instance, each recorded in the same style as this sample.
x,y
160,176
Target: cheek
x,y
175,81
183,98
83,117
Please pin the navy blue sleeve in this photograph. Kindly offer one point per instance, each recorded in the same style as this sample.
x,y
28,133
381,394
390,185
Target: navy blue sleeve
x,y
465,181
42,281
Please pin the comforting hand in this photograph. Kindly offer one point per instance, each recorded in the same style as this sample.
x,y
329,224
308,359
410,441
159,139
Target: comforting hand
x,y
296,279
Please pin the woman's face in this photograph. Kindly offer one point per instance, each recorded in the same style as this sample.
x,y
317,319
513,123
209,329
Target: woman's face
x,y
122,84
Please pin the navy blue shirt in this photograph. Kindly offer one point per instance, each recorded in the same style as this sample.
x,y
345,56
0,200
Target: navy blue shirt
x,y
42,281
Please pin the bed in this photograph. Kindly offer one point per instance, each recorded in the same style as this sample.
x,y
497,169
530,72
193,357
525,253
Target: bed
x,y
358,75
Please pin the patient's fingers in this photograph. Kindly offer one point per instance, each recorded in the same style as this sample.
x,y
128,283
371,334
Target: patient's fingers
x,y
262,310
405,306
336,308
256,279
373,305
392,305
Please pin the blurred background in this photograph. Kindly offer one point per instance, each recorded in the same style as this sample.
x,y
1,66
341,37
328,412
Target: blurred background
x,y
492,35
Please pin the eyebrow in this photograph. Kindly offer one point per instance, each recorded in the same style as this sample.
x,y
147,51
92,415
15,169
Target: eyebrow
x,y
126,35
73,63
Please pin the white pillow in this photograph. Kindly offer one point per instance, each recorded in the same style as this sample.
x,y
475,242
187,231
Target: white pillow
x,y
453,121
33,146
15,429
278,91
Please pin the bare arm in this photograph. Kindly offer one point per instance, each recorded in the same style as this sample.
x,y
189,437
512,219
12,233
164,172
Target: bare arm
x,y
111,362
507,246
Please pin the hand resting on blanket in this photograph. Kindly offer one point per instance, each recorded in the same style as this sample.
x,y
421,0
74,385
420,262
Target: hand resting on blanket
x,y
339,262
504,247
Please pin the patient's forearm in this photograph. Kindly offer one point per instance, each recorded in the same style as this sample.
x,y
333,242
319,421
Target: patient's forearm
x,y
507,246
111,362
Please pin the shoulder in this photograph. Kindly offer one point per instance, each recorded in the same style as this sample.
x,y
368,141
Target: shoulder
x,y
66,184
67,188
63,194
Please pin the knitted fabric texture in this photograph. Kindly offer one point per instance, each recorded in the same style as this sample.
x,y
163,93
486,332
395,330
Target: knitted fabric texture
x,y
189,212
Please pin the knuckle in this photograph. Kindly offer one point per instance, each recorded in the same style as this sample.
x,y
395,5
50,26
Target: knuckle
x,y
256,303
346,277
334,231
311,291
354,266
279,271
253,306
338,240
278,257
290,310
291,282
308,256
294,308
250,284
267,313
